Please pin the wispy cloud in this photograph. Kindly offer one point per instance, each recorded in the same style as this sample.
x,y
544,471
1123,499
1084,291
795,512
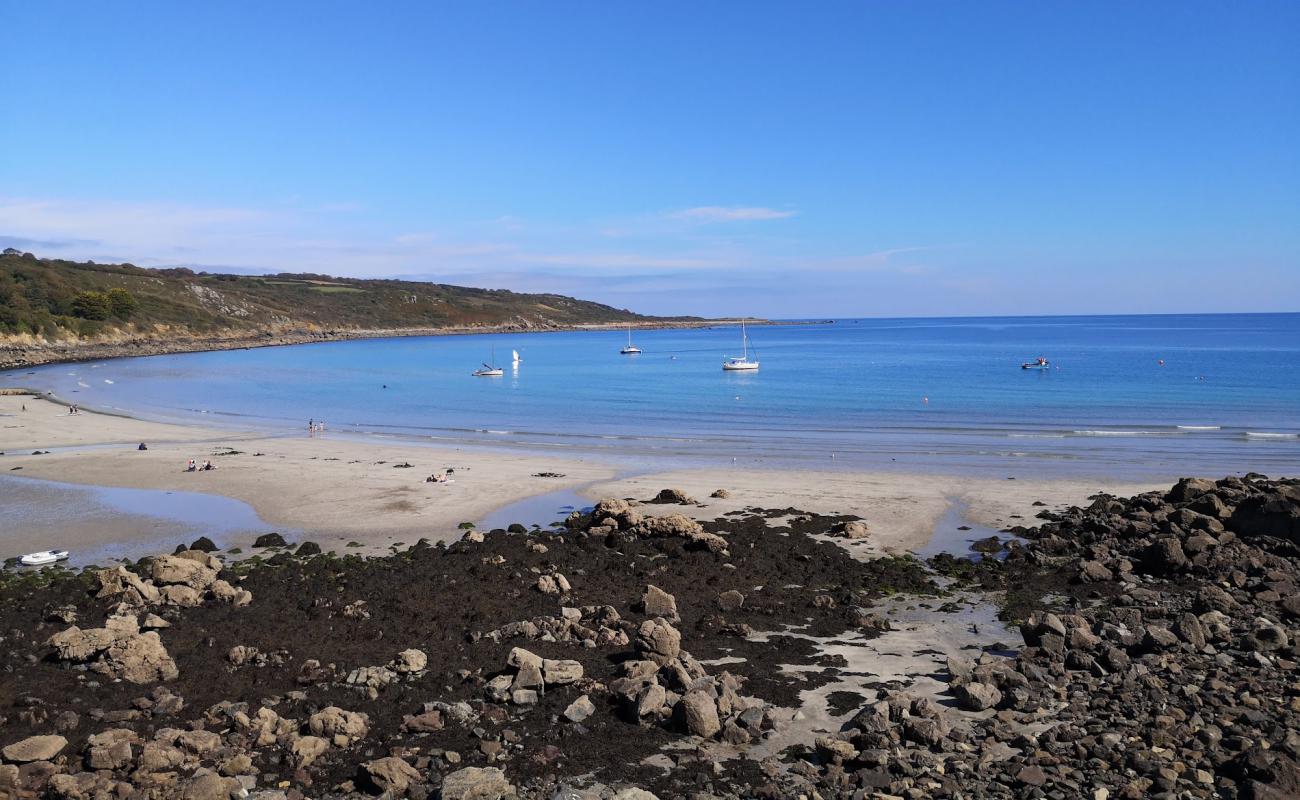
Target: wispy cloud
x,y
708,214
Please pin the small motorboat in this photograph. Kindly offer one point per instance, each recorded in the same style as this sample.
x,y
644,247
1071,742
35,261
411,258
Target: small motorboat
x,y
1037,363
44,557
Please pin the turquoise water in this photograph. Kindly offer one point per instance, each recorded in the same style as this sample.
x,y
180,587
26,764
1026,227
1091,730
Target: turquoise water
x,y
934,393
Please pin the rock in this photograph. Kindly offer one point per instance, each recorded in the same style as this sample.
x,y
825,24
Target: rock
x,y
475,783
409,661
141,659
1266,637
561,672
180,595
308,549
342,727
650,700
730,600
270,540
700,713
519,657
673,496
427,722
211,786
239,655
1189,489
34,748
579,709
978,696
1269,515
175,569
658,603
553,584
681,526
204,545
832,749
1031,776
658,641
1165,556
308,748
226,593
391,774
1095,572
721,494
120,581
855,529
111,749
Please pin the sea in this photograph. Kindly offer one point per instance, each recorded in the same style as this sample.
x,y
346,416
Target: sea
x,y
1127,396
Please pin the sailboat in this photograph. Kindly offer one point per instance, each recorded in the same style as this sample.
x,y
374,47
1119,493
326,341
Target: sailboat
x,y
488,370
741,362
631,349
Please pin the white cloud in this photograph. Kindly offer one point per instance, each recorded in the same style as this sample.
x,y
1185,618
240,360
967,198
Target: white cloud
x,y
707,214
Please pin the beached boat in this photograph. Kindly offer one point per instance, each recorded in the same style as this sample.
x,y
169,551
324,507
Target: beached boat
x,y
742,362
488,370
631,349
1038,363
44,557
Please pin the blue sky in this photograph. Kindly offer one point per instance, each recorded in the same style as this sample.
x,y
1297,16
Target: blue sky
x,y
779,159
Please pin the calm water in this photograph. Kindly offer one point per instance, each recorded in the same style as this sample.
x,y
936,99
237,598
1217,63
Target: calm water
x,y
946,393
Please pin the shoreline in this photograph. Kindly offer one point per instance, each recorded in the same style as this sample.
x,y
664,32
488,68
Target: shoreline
x,y
359,489
24,356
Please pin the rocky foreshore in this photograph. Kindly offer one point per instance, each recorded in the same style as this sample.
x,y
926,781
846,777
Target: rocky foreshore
x,y
635,650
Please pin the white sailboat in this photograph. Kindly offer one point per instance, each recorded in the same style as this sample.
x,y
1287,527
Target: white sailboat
x,y
488,370
742,362
631,349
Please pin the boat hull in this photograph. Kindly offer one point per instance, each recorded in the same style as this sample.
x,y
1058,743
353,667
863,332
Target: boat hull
x,y
749,366
42,559
489,373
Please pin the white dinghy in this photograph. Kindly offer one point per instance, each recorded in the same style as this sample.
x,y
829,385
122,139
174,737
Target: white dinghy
x,y
43,558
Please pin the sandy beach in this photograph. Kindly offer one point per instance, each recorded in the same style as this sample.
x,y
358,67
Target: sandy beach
x,y
333,487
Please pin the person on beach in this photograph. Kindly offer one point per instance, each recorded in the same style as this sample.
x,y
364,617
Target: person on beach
x,y
143,446
190,466
311,427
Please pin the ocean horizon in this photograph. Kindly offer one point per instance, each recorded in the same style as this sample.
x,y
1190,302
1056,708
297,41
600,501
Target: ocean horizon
x,y
1133,395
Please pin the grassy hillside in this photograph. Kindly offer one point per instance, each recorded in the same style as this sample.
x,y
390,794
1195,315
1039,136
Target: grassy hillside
x,y
50,299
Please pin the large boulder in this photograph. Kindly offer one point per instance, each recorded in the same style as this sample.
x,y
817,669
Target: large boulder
x,y
189,568
476,783
676,496
131,588
700,713
141,659
118,650
1276,515
1190,489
